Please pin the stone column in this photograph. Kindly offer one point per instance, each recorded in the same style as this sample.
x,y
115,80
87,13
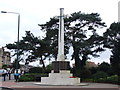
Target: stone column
x,y
60,56
61,64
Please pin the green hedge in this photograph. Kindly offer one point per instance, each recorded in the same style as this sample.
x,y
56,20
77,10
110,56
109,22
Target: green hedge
x,y
112,79
99,74
31,76
26,78
36,70
88,80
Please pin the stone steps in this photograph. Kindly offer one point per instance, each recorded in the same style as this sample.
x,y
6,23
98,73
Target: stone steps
x,y
62,78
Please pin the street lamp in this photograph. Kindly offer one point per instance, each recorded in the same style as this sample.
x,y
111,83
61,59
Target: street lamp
x,y
17,62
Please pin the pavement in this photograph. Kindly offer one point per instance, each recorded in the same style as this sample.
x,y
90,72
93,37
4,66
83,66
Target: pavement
x,y
12,84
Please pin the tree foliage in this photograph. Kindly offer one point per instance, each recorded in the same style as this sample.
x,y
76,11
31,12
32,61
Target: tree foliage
x,y
115,58
78,27
111,34
113,43
104,67
80,34
31,48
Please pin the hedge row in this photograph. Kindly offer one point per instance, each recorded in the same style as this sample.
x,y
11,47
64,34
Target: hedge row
x,y
31,77
112,79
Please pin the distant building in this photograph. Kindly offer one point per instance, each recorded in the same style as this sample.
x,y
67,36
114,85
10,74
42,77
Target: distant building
x,y
90,64
5,58
25,67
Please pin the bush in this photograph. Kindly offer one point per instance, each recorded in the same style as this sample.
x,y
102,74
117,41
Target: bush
x,y
25,78
88,80
93,70
85,74
36,70
32,76
112,79
99,74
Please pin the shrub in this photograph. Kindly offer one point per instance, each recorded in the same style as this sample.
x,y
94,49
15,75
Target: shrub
x,y
48,68
26,78
93,70
88,80
85,74
112,79
36,70
32,76
99,74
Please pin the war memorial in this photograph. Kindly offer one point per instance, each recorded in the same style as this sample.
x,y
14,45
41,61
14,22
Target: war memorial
x,y
60,75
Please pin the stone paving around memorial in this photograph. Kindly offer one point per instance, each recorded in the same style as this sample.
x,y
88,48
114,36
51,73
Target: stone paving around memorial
x,y
13,84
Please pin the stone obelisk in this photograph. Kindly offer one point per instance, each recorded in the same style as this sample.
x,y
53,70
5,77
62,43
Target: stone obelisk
x,y
60,56
60,75
60,64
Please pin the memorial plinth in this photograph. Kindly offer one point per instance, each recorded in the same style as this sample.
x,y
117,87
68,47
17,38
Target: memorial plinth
x,y
61,78
60,65
60,74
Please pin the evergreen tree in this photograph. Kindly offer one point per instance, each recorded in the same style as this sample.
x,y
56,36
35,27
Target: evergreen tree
x,y
112,42
115,58
31,49
77,27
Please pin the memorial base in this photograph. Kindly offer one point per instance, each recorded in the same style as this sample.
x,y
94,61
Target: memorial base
x,y
60,75
60,65
64,77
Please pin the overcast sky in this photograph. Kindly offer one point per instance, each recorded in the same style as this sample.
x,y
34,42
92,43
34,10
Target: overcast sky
x,y
34,12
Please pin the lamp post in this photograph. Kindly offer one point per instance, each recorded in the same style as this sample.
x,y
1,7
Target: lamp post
x,y
16,62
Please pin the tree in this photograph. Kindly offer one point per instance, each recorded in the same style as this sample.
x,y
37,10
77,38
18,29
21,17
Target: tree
x,y
77,27
105,67
113,43
115,58
31,48
111,34
27,44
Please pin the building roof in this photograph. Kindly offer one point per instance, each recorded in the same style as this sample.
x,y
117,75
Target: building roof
x,y
90,64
